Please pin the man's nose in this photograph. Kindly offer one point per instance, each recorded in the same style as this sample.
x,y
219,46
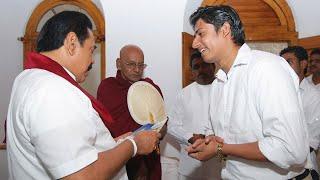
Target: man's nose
x,y
195,43
136,68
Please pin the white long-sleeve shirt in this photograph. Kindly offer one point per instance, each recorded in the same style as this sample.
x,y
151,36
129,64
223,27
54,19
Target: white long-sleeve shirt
x,y
258,100
310,94
189,115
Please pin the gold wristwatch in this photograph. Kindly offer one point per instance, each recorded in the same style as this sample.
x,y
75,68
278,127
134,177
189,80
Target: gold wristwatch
x,y
221,156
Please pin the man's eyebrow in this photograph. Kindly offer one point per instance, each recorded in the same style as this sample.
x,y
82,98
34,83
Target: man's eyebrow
x,y
197,31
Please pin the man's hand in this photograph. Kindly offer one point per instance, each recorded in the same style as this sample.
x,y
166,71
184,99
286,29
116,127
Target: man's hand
x,y
195,137
204,149
213,137
146,141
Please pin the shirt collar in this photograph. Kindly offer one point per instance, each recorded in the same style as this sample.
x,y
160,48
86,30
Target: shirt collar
x,y
242,58
73,76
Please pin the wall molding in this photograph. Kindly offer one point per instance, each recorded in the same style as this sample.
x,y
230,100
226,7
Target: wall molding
x,y
310,42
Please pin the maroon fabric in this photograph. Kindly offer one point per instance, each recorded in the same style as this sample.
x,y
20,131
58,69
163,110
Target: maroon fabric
x,y
112,93
38,61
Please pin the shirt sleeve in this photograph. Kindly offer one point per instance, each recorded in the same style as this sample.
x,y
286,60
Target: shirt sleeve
x,y
283,126
61,129
175,123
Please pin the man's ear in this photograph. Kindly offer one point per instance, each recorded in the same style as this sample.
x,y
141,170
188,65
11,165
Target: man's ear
x,y
303,65
70,43
225,29
118,64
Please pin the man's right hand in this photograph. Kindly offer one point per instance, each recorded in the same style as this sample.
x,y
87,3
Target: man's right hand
x,y
146,141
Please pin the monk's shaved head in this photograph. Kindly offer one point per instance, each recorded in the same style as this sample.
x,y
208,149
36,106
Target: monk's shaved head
x,y
128,49
131,63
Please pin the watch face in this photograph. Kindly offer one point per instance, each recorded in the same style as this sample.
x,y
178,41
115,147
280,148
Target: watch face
x,y
60,8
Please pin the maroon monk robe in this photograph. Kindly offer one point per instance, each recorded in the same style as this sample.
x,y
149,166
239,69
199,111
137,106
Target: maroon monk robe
x,y
38,61
112,93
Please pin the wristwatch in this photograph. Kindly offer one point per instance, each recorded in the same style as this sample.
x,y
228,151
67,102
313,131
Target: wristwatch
x,y
221,156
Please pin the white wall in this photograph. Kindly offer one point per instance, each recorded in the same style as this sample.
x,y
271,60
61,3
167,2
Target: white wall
x,y
306,15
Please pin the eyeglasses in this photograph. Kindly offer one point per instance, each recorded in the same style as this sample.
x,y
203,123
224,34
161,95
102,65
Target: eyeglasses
x,y
133,65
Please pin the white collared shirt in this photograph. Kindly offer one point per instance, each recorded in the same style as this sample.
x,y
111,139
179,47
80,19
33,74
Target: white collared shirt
x,y
258,100
311,105
189,115
52,128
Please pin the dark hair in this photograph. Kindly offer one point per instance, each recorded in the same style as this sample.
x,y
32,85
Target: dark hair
x,y
315,51
217,16
300,52
55,30
195,55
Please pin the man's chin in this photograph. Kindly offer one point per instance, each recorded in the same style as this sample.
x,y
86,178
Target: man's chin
x,y
134,80
81,80
208,59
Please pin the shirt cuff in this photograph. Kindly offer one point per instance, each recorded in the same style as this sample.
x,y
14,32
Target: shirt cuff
x,y
74,165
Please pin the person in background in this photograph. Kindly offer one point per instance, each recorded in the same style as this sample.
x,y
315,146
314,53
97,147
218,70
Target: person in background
x,y
112,93
255,112
315,68
188,117
55,129
311,102
297,57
